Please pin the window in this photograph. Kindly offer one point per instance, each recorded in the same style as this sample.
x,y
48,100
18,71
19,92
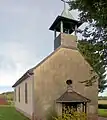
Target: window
x,y
26,96
15,94
19,94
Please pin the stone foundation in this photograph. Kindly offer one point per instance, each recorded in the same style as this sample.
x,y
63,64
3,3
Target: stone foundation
x,y
92,117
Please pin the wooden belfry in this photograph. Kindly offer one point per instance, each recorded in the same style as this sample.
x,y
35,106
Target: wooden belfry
x,y
65,23
72,99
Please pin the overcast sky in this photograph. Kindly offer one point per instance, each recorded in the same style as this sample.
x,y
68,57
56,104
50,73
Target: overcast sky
x,y
24,36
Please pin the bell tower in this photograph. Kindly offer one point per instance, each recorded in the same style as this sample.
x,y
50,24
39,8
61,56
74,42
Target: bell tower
x,y
65,24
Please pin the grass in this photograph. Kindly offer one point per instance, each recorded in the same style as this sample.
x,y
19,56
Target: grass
x,y
102,112
9,113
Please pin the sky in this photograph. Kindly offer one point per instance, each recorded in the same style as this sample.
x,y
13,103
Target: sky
x,y
25,38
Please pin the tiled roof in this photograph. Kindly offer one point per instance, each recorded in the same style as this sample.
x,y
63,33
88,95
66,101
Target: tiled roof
x,y
25,76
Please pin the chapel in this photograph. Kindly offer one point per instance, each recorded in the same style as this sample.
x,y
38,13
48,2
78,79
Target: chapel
x,y
57,81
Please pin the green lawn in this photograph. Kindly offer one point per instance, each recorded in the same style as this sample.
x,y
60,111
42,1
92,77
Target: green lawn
x,y
9,113
102,112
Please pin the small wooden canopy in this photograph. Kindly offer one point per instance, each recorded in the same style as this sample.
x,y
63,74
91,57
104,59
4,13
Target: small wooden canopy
x,y
72,97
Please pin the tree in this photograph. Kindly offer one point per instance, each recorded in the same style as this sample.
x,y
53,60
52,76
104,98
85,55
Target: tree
x,y
94,42
94,58
91,10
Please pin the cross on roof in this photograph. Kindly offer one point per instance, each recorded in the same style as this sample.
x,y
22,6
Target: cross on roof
x,y
66,13
65,1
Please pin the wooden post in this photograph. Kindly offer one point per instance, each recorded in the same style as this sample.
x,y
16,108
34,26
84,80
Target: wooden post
x,y
85,107
68,31
75,30
82,107
61,27
54,34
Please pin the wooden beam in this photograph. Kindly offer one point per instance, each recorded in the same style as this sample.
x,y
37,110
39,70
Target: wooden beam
x,y
85,107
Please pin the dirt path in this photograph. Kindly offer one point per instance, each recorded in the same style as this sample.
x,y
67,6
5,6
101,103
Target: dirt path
x,y
101,118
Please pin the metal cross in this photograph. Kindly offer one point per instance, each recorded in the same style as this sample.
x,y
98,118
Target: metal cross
x,y
65,2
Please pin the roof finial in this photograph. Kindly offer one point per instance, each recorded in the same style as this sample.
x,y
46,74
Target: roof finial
x,y
66,13
64,4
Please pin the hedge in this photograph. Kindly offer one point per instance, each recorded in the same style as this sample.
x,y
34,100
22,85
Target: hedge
x,y
102,106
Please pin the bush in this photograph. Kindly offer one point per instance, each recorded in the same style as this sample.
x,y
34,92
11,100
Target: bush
x,y
102,106
71,114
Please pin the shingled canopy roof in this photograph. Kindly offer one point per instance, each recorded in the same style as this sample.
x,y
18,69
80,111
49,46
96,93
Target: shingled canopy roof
x,y
72,97
68,23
